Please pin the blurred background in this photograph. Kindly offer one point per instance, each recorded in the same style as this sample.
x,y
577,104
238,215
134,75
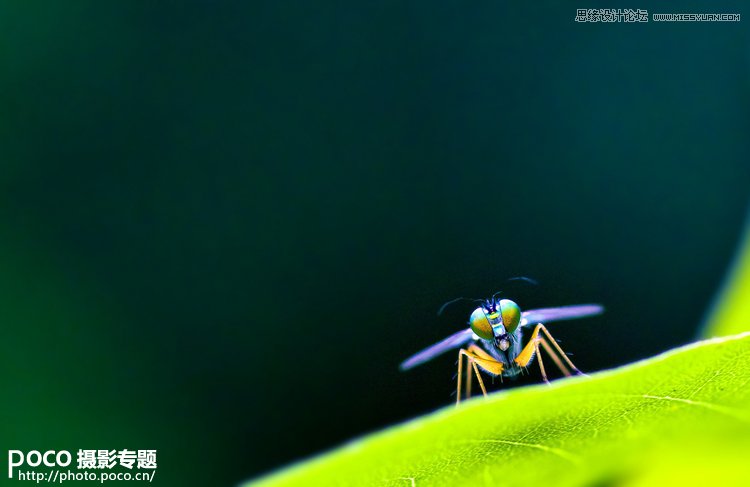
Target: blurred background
x,y
224,224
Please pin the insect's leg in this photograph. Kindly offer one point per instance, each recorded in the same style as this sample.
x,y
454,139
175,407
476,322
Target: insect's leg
x,y
541,362
527,353
484,360
476,358
559,350
547,348
469,362
479,378
459,375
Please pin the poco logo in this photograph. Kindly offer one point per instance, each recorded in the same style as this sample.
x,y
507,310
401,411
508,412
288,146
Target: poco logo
x,y
34,458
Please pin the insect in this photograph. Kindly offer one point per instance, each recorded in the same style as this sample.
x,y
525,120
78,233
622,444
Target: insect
x,y
493,342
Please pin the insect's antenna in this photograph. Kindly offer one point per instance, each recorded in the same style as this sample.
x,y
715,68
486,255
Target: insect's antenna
x,y
525,279
445,305
493,296
452,301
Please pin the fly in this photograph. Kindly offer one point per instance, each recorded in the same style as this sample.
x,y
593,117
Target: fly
x,y
493,342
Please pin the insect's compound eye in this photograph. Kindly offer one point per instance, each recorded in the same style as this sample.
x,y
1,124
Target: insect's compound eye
x,y
480,325
511,314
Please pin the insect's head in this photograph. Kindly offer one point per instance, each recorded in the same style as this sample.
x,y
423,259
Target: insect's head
x,y
495,319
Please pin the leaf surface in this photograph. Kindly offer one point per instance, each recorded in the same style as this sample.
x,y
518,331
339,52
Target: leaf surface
x,y
731,311
673,419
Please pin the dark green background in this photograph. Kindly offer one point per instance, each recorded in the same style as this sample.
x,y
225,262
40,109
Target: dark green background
x,y
225,224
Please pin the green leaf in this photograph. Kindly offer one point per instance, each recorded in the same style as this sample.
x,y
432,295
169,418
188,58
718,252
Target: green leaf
x,y
677,419
731,312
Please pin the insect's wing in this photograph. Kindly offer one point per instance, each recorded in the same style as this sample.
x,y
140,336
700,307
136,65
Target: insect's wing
x,y
545,315
453,341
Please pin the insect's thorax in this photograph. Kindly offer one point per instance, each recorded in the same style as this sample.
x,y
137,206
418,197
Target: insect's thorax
x,y
510,368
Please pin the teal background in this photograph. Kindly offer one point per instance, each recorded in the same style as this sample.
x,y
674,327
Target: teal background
x,y
224,224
